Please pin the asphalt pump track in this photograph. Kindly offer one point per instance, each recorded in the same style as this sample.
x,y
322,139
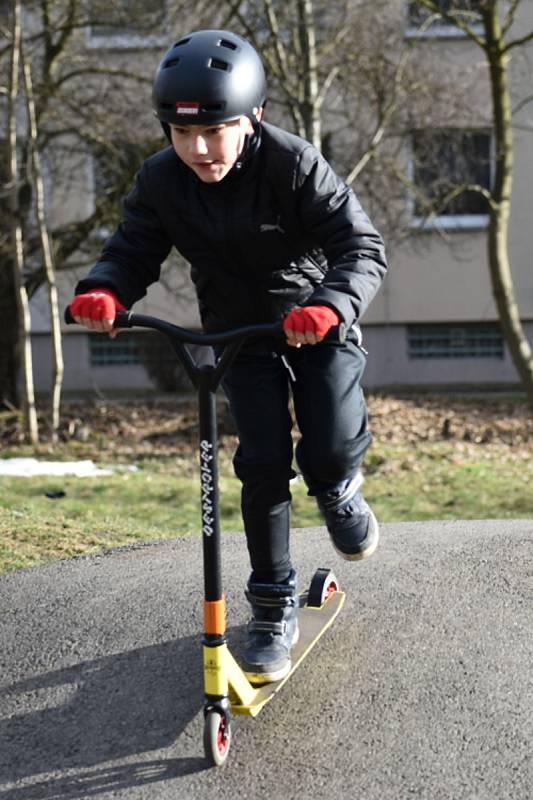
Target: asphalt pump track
x,y
423,687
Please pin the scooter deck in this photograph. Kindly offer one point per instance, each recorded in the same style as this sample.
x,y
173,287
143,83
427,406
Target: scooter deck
x,y
313,622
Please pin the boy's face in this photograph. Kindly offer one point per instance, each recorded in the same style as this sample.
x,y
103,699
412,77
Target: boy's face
x,y
210,150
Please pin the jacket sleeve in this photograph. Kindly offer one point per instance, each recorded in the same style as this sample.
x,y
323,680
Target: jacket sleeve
x,y
331,213
132,257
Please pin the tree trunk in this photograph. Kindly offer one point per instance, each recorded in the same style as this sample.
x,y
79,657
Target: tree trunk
x,y
498,235
30,413
46,252
9,356
310,105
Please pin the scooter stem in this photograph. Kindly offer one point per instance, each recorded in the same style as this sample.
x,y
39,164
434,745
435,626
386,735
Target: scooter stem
x,y
208,451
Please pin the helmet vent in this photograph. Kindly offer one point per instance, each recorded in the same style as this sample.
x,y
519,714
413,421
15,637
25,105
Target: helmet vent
x,y
228,44
216,63
182,41
213,107
173,62
166,106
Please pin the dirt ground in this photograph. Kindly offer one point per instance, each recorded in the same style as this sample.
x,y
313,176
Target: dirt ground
x,y
163,426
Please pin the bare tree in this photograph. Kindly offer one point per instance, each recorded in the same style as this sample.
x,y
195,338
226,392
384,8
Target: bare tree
x,y
85,105
300,69
30,414
496,19
53,300
344,77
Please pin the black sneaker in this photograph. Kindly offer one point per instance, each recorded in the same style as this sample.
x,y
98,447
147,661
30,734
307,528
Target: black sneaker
x,y
272,631
352,525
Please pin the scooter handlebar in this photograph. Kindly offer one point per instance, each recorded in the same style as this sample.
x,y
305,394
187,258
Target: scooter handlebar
x,y
129,319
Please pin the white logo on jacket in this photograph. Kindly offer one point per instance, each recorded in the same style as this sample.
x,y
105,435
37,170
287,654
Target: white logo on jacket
x,y
277,227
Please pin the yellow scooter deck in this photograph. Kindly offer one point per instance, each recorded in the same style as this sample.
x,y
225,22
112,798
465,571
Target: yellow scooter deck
x,y
313,622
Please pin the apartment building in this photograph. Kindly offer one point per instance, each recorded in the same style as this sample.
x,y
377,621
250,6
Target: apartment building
x,y
434,322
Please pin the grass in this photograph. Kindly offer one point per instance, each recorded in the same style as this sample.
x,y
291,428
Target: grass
x,y
428,480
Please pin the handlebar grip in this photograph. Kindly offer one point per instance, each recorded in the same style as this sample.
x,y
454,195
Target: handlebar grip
x,y
341,332
122,319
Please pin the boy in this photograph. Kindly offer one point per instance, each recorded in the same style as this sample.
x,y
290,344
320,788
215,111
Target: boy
x,y
271,233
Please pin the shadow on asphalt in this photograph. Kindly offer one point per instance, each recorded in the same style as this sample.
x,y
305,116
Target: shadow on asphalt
x,y
89,784
97,711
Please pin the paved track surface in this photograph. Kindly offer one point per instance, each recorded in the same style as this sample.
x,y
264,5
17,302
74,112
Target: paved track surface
x,y
423,688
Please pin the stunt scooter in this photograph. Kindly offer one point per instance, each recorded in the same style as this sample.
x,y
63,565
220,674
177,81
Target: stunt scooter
x,y
226,687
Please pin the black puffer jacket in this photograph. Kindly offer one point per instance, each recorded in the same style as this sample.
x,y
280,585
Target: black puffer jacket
x,y
281,230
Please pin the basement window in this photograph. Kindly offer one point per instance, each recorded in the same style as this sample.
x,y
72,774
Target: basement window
x,y
106,352
454,341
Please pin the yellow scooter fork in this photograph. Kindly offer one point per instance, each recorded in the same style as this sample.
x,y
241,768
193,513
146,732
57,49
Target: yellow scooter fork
x,y
215,650
223,677
215,647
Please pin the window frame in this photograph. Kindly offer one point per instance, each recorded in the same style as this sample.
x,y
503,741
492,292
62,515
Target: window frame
x,y
490,329
127,41
103,232
99,343
437,30
448,222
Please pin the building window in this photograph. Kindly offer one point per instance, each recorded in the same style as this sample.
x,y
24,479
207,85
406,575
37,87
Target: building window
x,y
106,352
454,341
112,169
126,23
445,163
148,350
111,165
423,22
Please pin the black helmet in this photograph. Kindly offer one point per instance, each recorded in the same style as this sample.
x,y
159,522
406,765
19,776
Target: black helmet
x,y
209,77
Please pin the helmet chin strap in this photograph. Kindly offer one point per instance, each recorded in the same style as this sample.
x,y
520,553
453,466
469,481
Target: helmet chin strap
x,y
249,138
166,130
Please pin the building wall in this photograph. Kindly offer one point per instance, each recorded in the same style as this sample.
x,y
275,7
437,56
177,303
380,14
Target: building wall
x,y
436,276
79,376
389,364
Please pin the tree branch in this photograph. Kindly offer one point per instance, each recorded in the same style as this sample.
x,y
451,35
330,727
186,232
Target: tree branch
x,y
281,53
383,119
116,73
522,104
330,77
518,42
455,19
509,17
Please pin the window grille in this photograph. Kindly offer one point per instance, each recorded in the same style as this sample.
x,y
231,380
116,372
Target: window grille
x,y
106,352
454,341
149,350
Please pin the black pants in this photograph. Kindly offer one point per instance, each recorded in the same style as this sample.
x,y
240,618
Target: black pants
x,y
331,414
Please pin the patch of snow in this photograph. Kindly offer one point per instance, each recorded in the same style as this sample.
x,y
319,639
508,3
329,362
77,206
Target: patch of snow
x,y
30,467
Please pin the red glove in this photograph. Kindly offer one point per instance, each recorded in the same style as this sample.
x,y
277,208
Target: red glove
x,y
96,309
309,325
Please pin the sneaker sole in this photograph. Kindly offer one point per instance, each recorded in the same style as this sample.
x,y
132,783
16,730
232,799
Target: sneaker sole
x,y
367,552
258,678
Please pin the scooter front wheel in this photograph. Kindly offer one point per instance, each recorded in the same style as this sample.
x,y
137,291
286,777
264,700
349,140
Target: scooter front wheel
x,y
217,737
